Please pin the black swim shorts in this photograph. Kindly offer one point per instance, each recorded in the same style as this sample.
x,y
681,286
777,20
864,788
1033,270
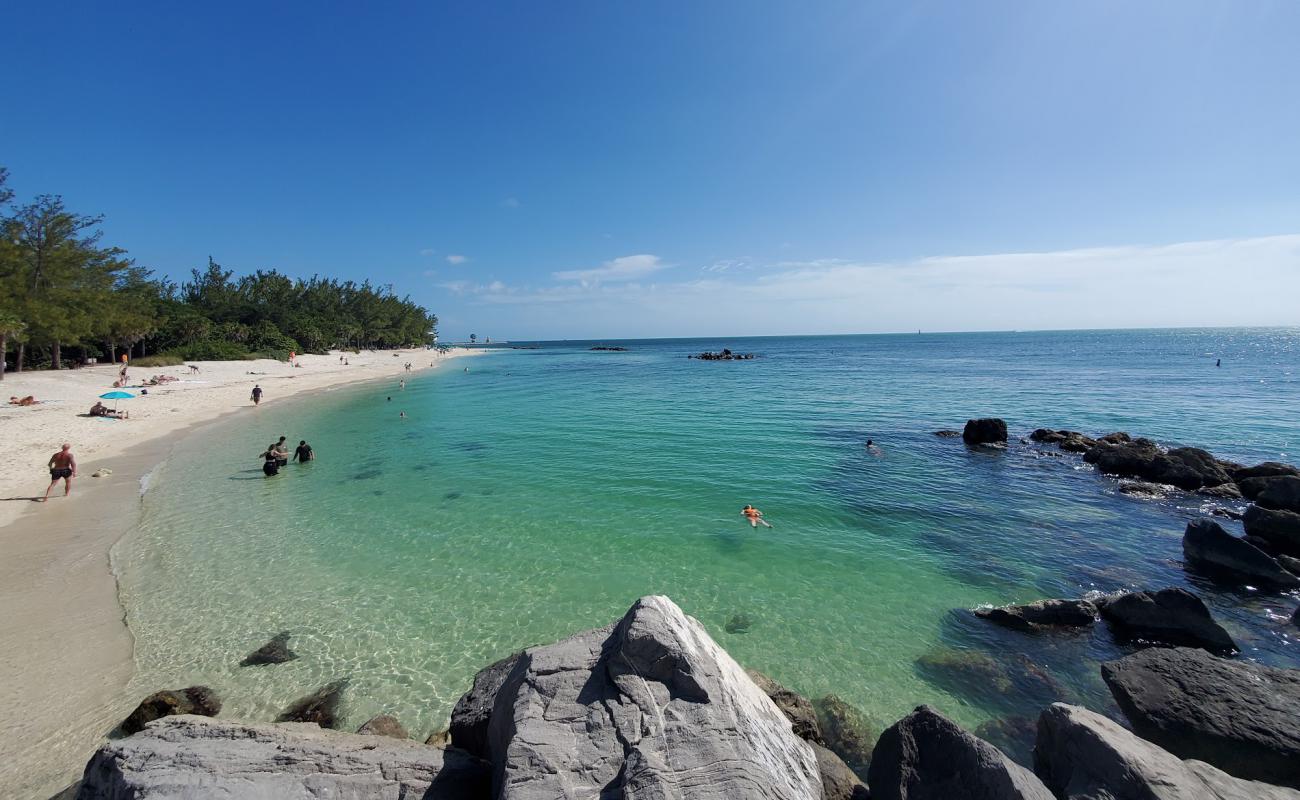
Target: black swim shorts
x,y
60,472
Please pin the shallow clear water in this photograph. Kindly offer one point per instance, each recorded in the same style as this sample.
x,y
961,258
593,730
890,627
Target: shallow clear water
x,y
542,491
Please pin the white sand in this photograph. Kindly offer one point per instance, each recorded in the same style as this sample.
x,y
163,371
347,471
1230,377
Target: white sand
x,y
65,652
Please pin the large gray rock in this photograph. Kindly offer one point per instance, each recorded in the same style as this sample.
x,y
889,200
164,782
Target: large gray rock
x,y
648,708
1278,492
1188,468
189,758
1042,614
473,711
1239,716
1280,528
926,756
797,708
1170,617
1081,755
984,431
1208,546
1268,469
192,700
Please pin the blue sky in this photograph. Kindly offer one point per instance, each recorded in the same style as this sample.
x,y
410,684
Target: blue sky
x,y
612,169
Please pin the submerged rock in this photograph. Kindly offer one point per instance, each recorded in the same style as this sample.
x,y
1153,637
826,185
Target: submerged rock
x,y
1041,615
1083,755
648,707
1170,617
947,434
1154,491
738,623
384,725
275,651
1241,717
198,700
1014,736
984,431
196,757
847,732
320,707
473,711
926,755
984,679
1280,528
1206,545
797,708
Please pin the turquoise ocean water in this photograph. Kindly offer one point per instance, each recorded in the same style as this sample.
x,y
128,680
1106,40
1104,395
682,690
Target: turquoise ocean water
x,y
543,490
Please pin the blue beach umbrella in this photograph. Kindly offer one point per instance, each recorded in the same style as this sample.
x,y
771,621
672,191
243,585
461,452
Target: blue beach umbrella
x,y
116,396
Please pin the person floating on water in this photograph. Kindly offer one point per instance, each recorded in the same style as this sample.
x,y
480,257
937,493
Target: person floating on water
x,y
754,516
304,453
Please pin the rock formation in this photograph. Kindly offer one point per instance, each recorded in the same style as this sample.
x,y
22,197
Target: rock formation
x,y
275,651
1070,441
320,707
797,708
984,431
194,700
847,732
384,725
1170,617
1041,615
196,757
1280,528
1241,717
1208,546
1188,468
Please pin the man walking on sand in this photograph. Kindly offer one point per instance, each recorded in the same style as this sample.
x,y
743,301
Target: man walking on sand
x,y
257,394
63,466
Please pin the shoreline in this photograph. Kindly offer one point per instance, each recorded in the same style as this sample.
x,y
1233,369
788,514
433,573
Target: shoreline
x,y
66,650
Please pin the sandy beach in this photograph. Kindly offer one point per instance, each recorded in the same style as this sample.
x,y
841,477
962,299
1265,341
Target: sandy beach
x,y
65,650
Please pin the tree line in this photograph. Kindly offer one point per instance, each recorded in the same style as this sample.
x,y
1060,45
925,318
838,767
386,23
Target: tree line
x,y
67,297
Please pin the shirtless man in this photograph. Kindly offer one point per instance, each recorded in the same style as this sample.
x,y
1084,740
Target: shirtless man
x,y
63,466
754,516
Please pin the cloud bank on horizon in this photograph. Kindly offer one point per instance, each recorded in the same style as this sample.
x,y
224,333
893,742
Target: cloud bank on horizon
x,y
1220,282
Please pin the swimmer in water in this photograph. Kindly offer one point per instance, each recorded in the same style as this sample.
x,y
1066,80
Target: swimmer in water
x,y
872,448
754,516
402,414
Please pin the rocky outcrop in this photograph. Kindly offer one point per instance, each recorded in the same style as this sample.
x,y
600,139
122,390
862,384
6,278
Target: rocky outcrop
x,y
947,434
1070,441
1081,755
984,431
1280,528
846,732
926,755
384,725
648,707
838,781
1150,491
797,708
473,711
1188,468
1041,615
197,757
1169,617
275,651
1241,717
198,700
1208,547
1268,469
320,707
1279,493
1224,491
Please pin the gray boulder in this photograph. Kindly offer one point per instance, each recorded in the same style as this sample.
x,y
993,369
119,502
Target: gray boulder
x,y
1224,491
984,431
192,700
1279,493
1241,717
1070,441
384,725
1041,614
1169,617
1266,470
320,707
649,707
797,708
925,755
838,781
1208,546
473,711
276,651
1081,755
188,757
1280,528
1188,468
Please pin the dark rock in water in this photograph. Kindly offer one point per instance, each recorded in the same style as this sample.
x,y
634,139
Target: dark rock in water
x,y
1085,756
1188,468
738,623
723,355
1279,493
1118,437
1295,617
200,758
384,725
797,708
846,732
1041,614
1071,441
193,700
1290,564
1198,467
1130,458
1261,544
1241,717
1142,489
1206,545
1014,736
947,434
985,679
984,431
473,712
647,707
1228,513
275,651
1268,469
838,781
610,349
367,474
926,755
1170,617
1280,528
1224,491
320,707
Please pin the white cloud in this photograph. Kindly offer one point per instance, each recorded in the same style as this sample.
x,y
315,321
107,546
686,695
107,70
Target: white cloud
x,y
456,258
626,268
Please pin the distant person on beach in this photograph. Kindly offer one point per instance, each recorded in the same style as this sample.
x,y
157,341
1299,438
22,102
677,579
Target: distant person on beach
x,y
101,410
754,516
63,467
257,394
304,453
29,400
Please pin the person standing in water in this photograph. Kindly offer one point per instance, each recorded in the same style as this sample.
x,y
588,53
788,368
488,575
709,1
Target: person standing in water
x,y
270,461
304,453
282,451
257,394
754,516
63,467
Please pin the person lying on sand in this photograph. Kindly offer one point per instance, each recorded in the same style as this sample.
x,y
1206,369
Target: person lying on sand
x,y
754,516
63,467
26,401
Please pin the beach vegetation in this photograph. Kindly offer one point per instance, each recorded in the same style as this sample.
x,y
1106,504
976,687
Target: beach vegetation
x,y
63,291
161,360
